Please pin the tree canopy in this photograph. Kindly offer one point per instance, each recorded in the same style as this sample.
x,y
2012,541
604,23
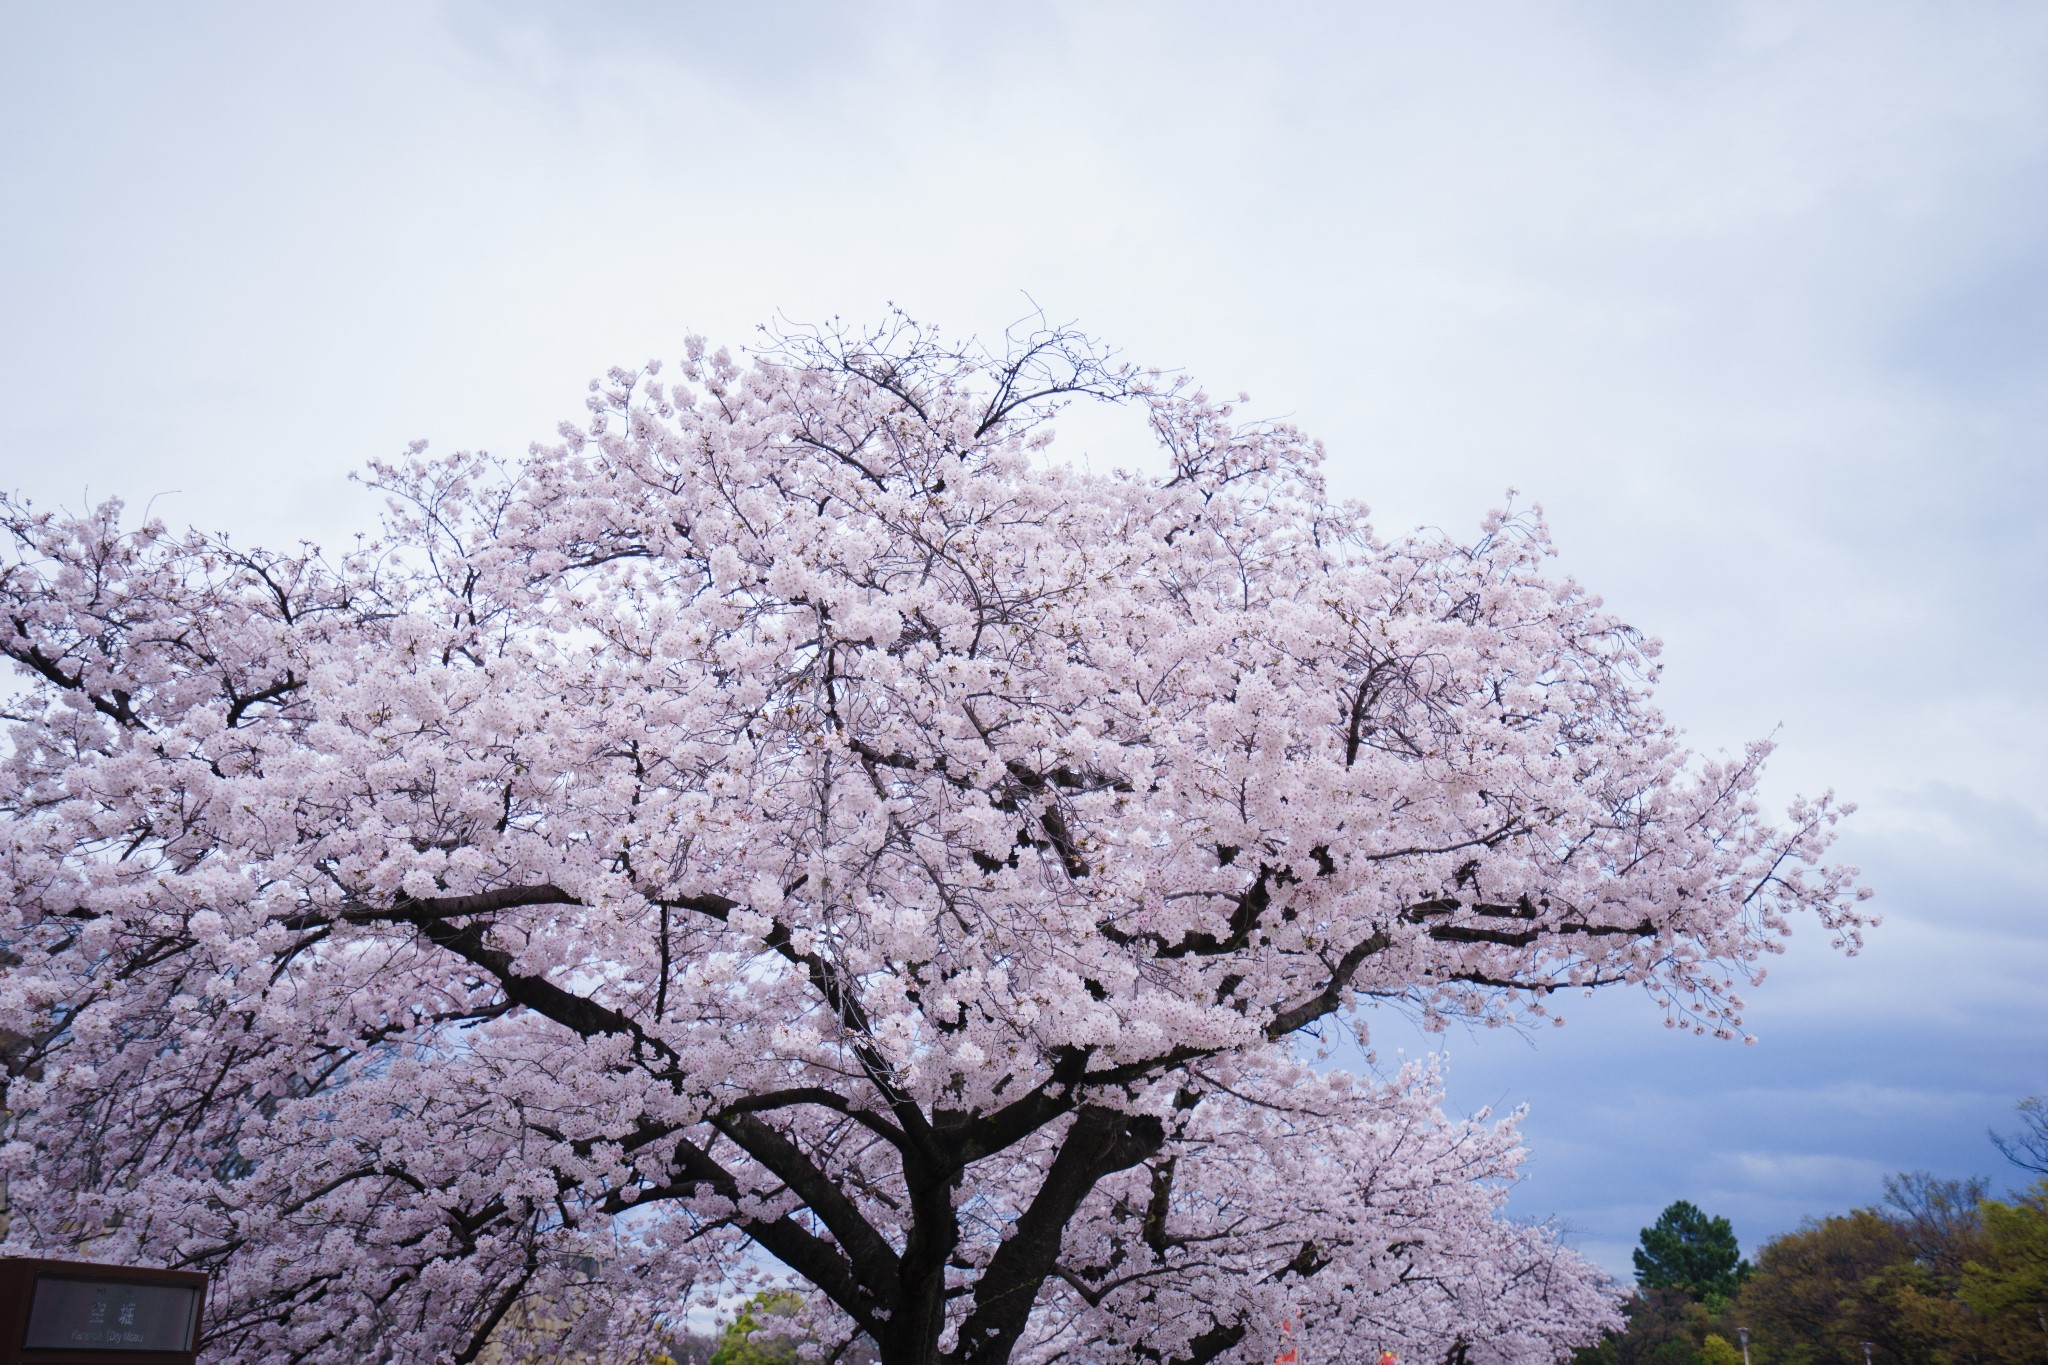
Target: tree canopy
x,y
798,816
752,1338
1940,1274
2006,1283
1689,1251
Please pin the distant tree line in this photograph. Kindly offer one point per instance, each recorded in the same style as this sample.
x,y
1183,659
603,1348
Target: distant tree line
x,y
1936,1273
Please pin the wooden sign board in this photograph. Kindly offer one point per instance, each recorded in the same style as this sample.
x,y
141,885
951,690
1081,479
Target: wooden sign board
x,y
79,1313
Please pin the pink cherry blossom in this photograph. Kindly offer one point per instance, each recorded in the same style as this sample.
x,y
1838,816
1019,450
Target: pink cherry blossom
x,y
801,829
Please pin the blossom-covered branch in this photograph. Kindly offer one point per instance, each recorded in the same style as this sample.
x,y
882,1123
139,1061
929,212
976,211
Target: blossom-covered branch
x,y
801,817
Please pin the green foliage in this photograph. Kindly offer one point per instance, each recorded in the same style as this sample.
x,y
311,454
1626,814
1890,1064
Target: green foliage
x,y
1820,1291
1686,1268
1665,1327
2006,1285
1941,1276
754,1338
1688,1251
1718,1350
1931,1281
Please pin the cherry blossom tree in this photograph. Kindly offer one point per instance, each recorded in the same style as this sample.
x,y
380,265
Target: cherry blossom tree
x,y
799,829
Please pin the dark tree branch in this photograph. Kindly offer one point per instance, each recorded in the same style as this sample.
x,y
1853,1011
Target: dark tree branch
x,y
1099,1142
867,1250
1325,1001
423,910
809,1255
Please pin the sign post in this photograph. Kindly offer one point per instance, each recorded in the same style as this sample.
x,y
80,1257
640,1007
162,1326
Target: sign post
x,y
79,1313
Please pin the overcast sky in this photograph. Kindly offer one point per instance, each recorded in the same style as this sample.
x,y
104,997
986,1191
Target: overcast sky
x,y
1753,299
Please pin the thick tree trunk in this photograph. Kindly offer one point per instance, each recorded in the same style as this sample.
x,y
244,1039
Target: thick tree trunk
x,y
1099,1141
912,1334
